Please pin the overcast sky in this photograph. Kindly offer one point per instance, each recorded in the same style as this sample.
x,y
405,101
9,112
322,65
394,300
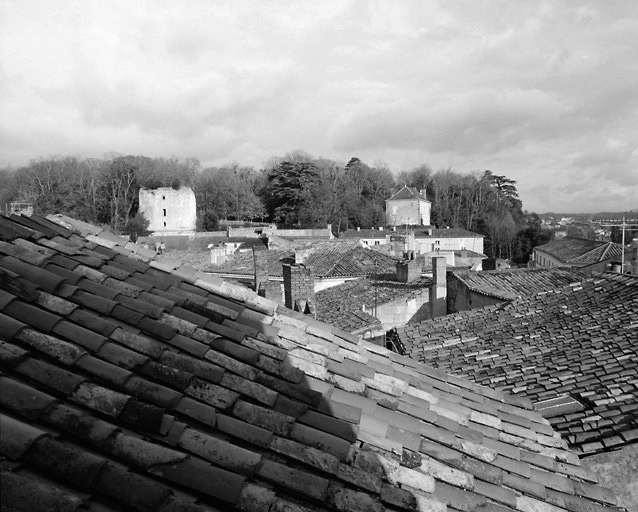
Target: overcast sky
x,y
545,93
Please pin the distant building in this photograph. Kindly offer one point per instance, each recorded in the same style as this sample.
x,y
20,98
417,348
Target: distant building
x,y
20,208
369,237
272,230
408,207
587,255
169,211
437,241
423,241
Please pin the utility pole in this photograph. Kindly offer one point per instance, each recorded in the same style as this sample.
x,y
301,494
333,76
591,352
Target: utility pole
x,y
622,257
624,226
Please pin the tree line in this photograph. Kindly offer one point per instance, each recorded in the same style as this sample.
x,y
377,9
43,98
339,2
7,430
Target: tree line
x,y
295,190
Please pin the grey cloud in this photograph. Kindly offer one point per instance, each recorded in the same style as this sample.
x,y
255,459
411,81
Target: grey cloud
x,y
484,121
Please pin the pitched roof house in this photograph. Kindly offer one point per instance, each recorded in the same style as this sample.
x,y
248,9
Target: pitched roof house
x,y
460,246
369,237
433,240
572,351
408,207
130,382
587,255
370,306
471,290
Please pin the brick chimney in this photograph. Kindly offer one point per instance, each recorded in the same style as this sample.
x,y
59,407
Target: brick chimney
x,y
263,285
438,289
408,270
299,288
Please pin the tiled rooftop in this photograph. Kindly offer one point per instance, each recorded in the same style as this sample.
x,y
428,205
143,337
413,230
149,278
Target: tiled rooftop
x,y
130,382
576,347
408,193
365,233
513,283
328,259
342,305
580,251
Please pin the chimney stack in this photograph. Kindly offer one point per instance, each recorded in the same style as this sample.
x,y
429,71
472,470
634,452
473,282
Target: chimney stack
x,y
489,263
299,288
438,289
260,259
408,270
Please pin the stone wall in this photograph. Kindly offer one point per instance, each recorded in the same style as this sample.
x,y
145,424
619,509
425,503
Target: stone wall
x,y
401,311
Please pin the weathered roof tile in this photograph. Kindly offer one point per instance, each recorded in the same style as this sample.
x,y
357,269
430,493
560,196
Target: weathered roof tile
x,y
27,313
17,437
248,432
66,462
51,376
93,322
212,394
9,327
294,479
197,410
220,452
131,490
24,399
